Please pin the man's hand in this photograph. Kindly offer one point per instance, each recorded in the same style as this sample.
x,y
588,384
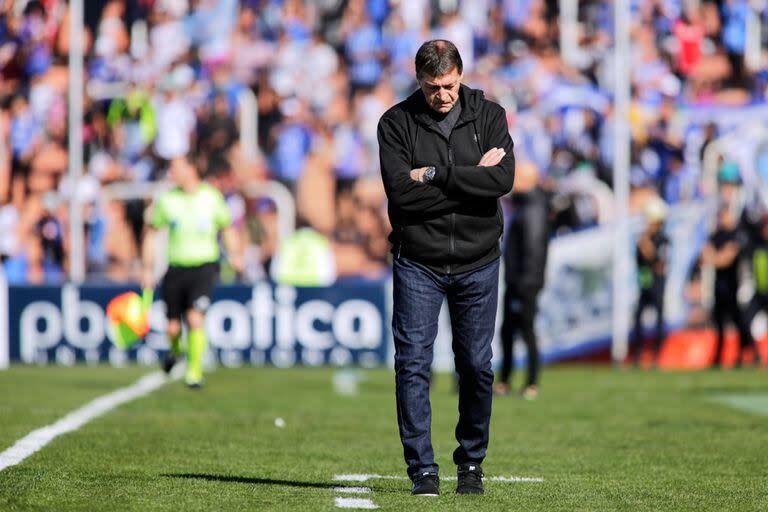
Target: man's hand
x,y
491,158
418,174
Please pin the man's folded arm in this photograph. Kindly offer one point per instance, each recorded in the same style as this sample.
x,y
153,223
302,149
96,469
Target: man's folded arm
x,y
479,181
403,192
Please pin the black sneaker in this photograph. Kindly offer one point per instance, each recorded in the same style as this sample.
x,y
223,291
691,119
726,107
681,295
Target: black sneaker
x,y
169,363
470,478
426,484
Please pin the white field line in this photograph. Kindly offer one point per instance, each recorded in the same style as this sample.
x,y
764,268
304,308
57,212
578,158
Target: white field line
x,y
37,439
511,479
353,490
355,503
363,477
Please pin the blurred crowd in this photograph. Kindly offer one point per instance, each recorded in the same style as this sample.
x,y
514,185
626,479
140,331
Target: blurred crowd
x,y
169,77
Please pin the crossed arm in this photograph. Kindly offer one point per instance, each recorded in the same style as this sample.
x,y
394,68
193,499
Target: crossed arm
x,y
492,177
491,158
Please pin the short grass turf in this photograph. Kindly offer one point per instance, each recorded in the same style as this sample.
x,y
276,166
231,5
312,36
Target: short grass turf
x,y
602,440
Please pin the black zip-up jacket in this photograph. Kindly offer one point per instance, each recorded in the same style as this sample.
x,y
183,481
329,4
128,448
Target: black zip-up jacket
x,y
454,223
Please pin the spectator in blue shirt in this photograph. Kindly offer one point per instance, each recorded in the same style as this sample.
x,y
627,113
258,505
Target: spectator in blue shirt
x,y
734,13
24,135
363,51
680,182
401,44
32,266
293,141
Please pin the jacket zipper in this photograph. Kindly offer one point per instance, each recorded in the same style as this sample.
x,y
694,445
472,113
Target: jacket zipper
x,y
451,246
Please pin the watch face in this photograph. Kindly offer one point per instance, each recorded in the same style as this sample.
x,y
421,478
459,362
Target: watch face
x,y
430,173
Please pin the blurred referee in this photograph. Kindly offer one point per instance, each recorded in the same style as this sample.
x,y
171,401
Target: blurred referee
x,y
194,213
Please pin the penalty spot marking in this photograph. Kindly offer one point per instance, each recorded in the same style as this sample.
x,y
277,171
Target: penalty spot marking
x,y
37,439
362,477
355,503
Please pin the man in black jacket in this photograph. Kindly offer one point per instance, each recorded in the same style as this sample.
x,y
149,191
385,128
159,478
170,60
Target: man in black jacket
x,y
446,158
723,251
525,261
652,260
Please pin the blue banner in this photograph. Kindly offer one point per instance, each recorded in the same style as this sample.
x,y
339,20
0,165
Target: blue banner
x,y
264,324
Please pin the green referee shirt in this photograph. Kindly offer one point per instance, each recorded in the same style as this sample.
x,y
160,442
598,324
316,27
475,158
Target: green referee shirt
x,y
194,221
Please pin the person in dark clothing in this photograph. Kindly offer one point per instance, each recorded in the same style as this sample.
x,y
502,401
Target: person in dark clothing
x,y
759,260
446,159
652,259
217,129
525,260
722,251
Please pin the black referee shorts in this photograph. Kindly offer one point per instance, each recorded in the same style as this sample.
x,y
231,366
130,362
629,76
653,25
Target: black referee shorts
x,y
186,288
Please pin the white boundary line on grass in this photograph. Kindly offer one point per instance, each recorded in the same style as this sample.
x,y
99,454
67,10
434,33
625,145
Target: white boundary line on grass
x,y
362,477
37,439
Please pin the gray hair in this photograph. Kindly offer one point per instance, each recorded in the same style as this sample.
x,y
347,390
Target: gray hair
x,y
436,58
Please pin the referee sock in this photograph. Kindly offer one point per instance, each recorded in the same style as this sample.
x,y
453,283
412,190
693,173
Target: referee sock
x,y
197,345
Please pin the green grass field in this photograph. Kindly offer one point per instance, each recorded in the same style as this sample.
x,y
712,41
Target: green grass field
x,y
601,439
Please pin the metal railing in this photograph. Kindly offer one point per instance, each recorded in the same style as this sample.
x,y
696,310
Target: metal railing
x,y
75,150
249,124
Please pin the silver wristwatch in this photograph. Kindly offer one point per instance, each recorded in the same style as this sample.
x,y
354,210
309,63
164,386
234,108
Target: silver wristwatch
x,y
429,174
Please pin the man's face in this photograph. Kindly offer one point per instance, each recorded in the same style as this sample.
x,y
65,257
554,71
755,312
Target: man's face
x,y
441,92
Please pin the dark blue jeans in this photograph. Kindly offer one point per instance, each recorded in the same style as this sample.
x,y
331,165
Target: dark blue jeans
x,y
472,299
